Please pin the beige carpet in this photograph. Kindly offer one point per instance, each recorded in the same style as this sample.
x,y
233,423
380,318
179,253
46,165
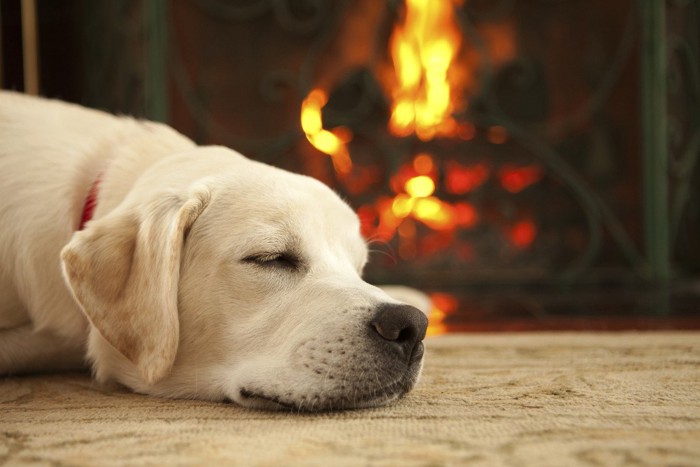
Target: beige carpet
x,y
503,399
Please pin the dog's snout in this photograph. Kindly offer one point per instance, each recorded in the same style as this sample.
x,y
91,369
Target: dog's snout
x,y
403,326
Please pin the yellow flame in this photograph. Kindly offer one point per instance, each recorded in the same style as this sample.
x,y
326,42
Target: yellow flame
x,y
402,205
420,186
328,142
437,214
422,49
428,208
443,306
436,325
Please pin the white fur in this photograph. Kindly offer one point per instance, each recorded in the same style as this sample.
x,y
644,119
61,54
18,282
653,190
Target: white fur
x,y
162,296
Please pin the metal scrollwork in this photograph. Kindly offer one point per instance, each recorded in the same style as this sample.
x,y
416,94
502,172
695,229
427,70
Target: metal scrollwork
x,y
238,11
684,118
594,207
515,95
307,23
487,10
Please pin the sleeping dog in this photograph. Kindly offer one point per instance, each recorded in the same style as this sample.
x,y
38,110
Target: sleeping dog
x,y
186,271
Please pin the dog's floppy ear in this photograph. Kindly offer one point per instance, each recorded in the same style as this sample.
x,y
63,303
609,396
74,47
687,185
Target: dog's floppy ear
x,y
124,269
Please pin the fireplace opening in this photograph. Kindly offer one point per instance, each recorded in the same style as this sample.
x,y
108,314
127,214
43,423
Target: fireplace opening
x,y
530,164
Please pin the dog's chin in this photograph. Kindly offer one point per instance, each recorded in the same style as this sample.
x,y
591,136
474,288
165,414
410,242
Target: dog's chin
x,y
262,400
260,396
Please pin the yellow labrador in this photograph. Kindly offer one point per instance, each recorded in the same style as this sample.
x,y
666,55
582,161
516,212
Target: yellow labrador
x,y
201,274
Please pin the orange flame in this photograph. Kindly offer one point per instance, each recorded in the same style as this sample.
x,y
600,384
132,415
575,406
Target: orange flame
x,y
443,305
523,233
422,49
432,75
415,184
462,179
333,143
416,199
515,179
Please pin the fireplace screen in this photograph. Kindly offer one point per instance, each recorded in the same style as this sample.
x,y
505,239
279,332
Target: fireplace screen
x,y
483,143
479,141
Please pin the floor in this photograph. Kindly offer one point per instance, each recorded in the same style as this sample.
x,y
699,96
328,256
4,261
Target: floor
x,y
546,399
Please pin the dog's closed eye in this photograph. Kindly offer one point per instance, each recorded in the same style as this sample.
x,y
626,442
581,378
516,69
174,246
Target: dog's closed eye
x,y
287,261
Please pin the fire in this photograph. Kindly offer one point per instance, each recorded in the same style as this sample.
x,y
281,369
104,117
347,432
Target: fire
x,y
433,74
515,179
415,184
422,49
420,186
463,179
522,233
333,143
443,305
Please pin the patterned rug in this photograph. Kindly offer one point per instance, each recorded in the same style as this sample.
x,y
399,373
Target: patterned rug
x,y
484,400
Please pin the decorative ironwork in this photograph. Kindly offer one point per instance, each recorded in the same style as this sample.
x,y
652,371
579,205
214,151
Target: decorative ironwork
x,y
597,211
577,131
683,110
116,67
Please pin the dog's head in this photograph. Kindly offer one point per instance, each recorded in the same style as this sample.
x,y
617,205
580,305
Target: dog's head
x,y
244,284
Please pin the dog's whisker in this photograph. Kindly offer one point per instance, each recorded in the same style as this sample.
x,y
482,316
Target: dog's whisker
x,y
372,239
391,255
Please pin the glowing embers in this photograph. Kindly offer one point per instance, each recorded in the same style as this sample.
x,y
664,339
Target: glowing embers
x,y
422,49
414,202
433,203
461,179
444,203
522,233
333,142
443,305
516,178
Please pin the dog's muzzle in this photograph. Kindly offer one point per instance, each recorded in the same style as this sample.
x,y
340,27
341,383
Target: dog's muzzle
x,y
356,366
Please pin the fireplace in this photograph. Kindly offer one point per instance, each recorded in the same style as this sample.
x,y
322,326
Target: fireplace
x,y
472,140
532,173
514,158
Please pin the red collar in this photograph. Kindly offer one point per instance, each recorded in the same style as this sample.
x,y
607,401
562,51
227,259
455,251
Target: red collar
x,y
90,202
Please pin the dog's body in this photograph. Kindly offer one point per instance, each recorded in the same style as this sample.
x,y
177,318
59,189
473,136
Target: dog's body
x,y
201,274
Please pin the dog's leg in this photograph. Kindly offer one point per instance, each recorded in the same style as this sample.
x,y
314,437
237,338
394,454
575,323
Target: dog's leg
x,y
24,350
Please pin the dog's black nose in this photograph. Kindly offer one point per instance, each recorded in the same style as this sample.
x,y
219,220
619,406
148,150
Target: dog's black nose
x,y
403,327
